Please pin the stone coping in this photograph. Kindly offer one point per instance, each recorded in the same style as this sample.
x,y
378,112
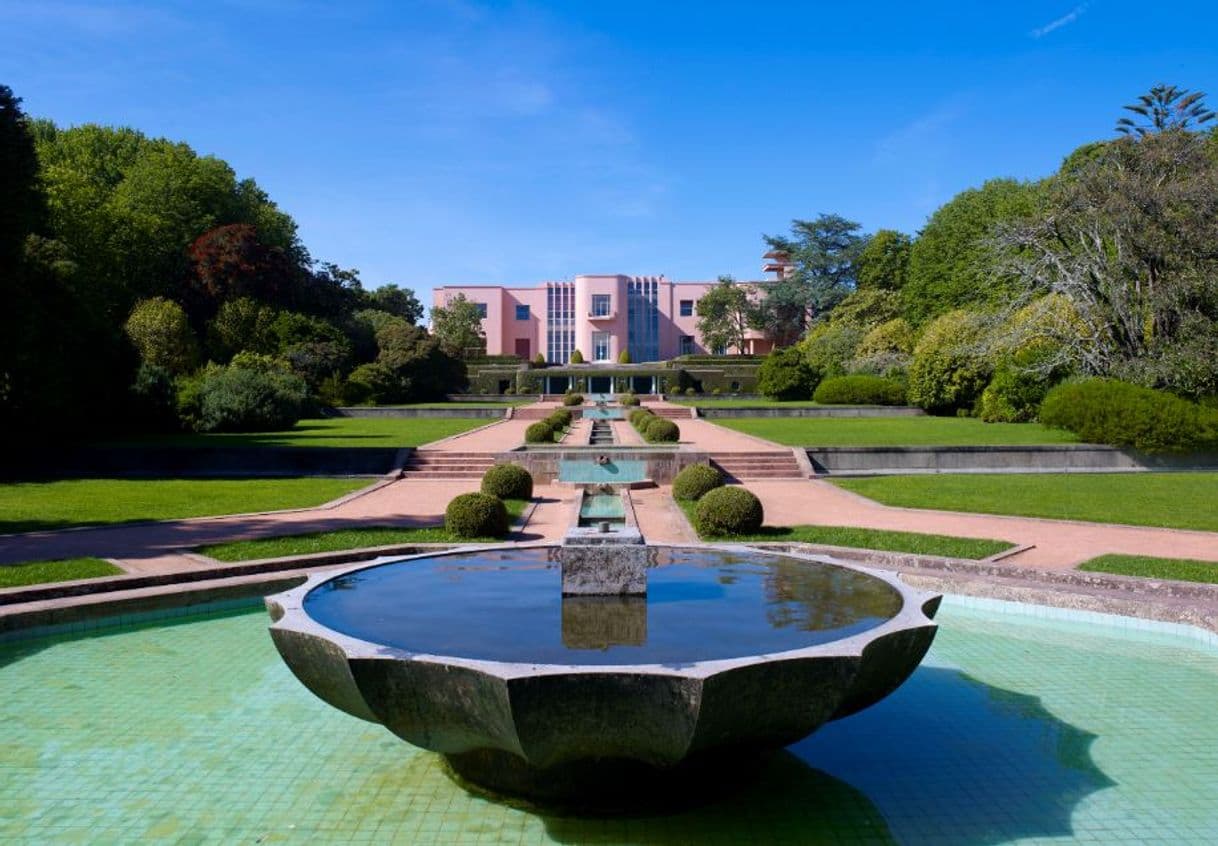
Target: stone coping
x,y
1031,458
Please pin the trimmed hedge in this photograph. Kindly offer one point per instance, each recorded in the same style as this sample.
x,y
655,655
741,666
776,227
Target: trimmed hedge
x,y
638,415
860,390
661,431
476,515
561,418
540,432
573,399
508,481
695,481
729,510
1107,411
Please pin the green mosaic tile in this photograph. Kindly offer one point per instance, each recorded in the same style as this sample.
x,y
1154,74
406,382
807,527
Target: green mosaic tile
x,y
1018,729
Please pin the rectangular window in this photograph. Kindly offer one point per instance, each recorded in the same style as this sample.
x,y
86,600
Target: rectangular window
x,y
600,305
600,346
522,312
687,345
481,310
687,308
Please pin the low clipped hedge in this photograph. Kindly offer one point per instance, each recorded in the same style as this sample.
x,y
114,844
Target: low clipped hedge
x,y
695,481
573,399
728,510
540,432
476,515
658,430
1107,411
638,416
508,481
860,389
560,418
628,400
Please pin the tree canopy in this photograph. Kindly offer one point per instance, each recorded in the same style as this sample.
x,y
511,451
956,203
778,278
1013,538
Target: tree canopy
x,y
725,313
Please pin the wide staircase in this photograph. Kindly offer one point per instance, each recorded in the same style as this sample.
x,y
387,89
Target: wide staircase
x,y
750,466
671,412
437,465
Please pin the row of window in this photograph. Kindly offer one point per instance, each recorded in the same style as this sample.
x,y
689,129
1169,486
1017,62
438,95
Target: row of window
x,y
600,308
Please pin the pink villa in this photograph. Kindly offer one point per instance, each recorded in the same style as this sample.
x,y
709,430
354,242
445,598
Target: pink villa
x,y
651,317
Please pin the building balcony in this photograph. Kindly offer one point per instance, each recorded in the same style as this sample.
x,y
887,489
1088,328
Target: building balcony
x,y
612,315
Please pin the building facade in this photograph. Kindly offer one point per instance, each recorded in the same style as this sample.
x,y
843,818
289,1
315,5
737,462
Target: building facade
x,y
650,317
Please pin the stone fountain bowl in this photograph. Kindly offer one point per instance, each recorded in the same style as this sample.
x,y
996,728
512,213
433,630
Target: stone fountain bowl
x,y
554,730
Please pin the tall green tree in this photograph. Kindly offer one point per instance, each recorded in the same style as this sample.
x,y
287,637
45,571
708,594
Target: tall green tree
x,y
952,264
1164,108
457,326
1129,241
883,264
824,252
395,300
725,313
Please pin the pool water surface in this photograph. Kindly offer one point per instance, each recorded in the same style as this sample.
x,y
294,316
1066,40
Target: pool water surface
x,y
1016,729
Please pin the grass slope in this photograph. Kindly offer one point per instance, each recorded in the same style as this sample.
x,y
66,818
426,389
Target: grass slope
x,y
1173,500
894,431
746,403
912,542
1180,569
360,538
66,569
330,432
37,506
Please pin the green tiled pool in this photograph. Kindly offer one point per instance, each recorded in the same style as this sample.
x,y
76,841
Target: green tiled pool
x,y
1016,730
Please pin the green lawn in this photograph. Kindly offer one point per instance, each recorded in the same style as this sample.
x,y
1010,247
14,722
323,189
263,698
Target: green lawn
x,y
894,431
36,506
65,570
745,403
1174,500
912,542
1180,569
331,432
486,404
343,539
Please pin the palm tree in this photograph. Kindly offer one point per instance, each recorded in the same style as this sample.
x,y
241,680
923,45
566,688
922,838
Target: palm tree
x,y
1166,107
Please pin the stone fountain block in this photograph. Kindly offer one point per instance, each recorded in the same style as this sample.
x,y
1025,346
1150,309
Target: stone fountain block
x,y
596,567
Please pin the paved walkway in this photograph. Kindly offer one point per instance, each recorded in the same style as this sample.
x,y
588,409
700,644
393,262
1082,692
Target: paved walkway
x,y
1057,543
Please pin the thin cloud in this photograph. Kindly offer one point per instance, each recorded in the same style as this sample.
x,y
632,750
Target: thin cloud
x,y
1065,20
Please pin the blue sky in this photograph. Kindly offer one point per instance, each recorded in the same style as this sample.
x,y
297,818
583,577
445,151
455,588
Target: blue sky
x,y
459,141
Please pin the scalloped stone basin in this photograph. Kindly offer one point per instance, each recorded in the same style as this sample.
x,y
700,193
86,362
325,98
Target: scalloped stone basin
x,y
476,654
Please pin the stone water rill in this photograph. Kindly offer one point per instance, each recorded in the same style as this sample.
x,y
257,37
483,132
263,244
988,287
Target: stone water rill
x,y
476,654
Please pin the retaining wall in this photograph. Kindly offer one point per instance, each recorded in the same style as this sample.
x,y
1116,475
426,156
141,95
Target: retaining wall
x,y
1058,458
711,412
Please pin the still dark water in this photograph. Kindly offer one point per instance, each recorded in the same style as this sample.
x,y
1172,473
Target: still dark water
x,y
508,606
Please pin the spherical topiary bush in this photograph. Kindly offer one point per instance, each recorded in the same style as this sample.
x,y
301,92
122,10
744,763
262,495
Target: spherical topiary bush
x,y
695,481
638,416
628,399
690,391
860,389
573,399
476,515
561,417
661,431
728,511
539,433
508,481
577,357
